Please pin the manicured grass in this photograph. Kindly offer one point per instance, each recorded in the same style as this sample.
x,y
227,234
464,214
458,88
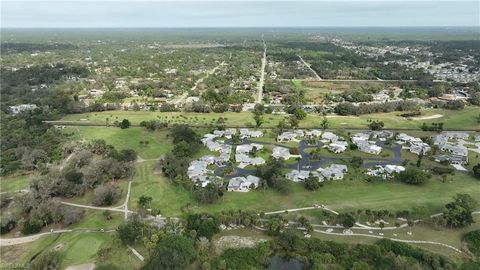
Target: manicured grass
x,y
158,142
464,119
349,194
166,196
79,248
94,219
14,183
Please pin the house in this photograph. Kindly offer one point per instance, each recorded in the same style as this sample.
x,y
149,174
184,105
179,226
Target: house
x,y
22,108
248,107
393,169
333,172
197,171
361,140
454,149
382,135
403,138
337,147
229,132
386,172
452,159
329,137
286,137
297,176
279,152
419,148
243,184
314,133
246,133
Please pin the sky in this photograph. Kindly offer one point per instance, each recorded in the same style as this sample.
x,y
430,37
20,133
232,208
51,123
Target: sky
x,y
230,13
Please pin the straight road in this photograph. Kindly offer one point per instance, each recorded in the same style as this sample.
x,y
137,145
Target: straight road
x,y
262,74
310,67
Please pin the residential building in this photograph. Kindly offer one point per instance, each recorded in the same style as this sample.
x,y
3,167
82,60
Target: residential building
x,y
279,152
333,172
297,176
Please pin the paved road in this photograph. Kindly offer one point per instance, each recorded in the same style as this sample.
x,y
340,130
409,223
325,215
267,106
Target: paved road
x,y
262,74
310,67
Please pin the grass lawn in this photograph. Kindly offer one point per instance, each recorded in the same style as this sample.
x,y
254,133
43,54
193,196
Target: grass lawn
x,y
345,195
166,196
14,183
79,248
466,118
94,219
158,143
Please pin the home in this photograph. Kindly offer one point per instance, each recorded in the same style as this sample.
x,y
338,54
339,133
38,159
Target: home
x,y
246,133
197,171
314,133
369,148
297,176
337,147
279,152
386,172
243,184
403,138
419,148
229,132
452,159
286,137
333,172
393,169
22,108
454,149
329,137
248,107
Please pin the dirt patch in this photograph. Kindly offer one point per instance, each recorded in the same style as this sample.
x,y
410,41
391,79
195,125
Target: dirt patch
x,y
232,241
86,266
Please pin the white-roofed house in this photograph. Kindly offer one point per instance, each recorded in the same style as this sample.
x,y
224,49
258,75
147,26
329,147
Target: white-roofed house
x,y
297,176
279,152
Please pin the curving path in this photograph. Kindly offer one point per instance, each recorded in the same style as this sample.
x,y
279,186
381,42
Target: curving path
x,y
394,239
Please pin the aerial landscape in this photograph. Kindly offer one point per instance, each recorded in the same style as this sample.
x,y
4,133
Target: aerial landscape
x,y
290,141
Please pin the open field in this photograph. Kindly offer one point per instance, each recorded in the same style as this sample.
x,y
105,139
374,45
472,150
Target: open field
x,y
455,120
130,138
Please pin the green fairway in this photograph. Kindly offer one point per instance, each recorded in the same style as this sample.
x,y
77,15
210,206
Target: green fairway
x,y
80,248
464,119
158,143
